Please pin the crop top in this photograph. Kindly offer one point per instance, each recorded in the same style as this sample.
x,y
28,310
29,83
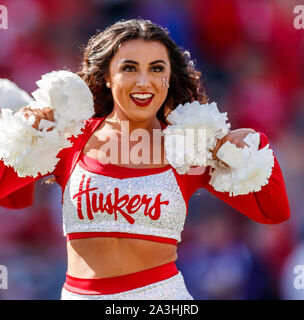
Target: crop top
x,y
113,201
128,202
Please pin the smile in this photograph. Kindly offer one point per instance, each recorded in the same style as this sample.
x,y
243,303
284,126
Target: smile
x,y
142,99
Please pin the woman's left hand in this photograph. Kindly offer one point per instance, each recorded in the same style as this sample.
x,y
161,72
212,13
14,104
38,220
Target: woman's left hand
x,y
234,136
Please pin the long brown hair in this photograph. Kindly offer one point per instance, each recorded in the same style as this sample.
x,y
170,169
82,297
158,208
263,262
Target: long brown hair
x,y
185,83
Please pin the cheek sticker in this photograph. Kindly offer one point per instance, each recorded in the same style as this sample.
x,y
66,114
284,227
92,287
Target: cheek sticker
x,y
165,82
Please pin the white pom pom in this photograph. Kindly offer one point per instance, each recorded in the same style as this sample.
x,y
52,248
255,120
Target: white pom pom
x,y
32,151
12,97
233,156
45,149
192,135
249,168
70,98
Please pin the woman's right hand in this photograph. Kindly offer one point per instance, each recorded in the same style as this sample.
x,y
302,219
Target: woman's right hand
x,y
46,113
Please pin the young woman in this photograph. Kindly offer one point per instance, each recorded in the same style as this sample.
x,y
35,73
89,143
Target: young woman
x,y
123,219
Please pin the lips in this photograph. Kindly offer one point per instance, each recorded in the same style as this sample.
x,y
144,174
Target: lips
x,y
142,102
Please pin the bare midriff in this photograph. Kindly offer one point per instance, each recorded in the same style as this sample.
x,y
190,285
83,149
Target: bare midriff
x,y
104,257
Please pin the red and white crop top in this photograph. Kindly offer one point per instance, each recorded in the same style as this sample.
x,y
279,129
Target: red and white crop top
x,y
105,198
109,200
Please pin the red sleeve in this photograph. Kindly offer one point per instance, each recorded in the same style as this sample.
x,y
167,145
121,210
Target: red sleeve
x,y
270,205
15,192
21,198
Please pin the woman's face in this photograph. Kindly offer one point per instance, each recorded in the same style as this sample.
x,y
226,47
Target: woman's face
x,y
139,78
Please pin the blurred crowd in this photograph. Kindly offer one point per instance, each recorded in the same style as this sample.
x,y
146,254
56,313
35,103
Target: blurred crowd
x,y
251,58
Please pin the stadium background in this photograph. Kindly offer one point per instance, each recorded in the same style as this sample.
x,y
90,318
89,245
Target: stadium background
x,y
251,58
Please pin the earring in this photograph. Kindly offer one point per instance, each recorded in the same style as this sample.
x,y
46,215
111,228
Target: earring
x,y
108,84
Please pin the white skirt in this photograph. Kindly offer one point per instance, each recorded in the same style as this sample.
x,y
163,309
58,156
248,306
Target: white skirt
x,y
173,288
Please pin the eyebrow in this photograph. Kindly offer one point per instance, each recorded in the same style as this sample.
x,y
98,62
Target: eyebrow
x,y
134,62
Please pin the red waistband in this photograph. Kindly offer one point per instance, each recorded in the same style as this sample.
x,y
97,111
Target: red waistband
x,y
120,283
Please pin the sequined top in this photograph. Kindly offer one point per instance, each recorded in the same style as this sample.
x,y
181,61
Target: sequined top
x,y
138,203
103,198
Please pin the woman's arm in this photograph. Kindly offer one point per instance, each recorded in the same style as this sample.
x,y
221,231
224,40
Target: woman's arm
x,y
19,199
15,192
270,205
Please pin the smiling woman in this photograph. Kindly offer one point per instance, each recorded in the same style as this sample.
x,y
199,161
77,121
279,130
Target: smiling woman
x,y
171,61
123,219
136,83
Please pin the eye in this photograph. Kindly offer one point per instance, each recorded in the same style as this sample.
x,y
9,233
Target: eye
x,y
158,68
128,68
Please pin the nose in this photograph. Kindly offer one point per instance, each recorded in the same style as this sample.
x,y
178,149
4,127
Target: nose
x,y
143,81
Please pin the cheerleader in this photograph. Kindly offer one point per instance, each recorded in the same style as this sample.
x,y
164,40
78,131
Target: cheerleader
x,y
123,219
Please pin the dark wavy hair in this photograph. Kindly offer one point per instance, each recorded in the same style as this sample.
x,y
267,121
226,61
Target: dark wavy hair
x,y
185,83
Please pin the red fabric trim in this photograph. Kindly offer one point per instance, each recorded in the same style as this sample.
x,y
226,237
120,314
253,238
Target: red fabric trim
x,y
83,235
71,155
188,184
115,171
19,199
15,192
120,283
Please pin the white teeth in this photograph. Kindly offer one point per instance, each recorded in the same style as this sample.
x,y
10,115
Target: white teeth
x,y
141,96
